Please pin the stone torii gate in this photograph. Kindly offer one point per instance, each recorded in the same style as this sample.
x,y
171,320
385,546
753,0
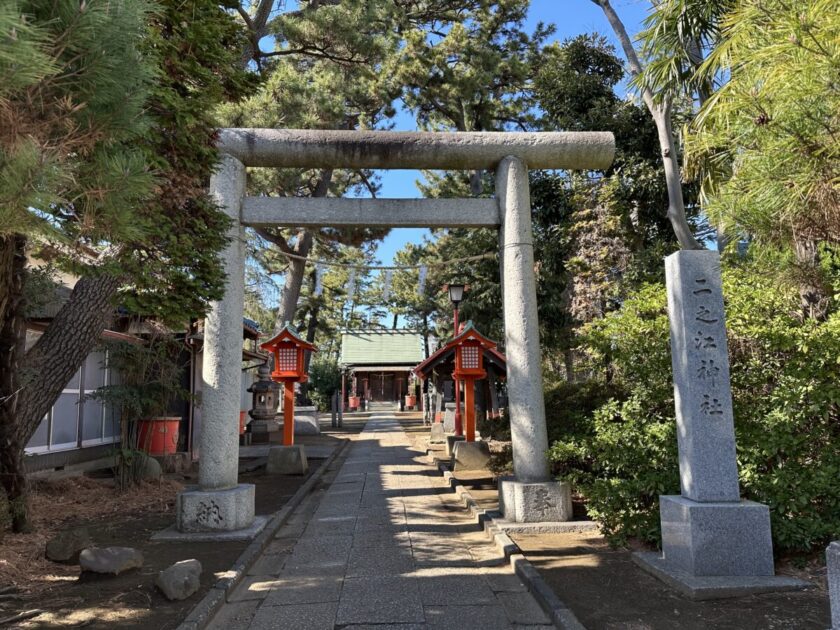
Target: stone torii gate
x,y
220,503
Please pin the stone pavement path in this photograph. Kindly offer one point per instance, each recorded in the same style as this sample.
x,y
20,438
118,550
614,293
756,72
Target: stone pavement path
x,y
385,545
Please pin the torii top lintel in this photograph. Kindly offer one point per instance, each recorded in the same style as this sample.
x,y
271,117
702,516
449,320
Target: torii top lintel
x,y
304,148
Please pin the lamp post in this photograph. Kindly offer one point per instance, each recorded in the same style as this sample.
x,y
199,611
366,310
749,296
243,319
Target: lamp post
x,y
456,295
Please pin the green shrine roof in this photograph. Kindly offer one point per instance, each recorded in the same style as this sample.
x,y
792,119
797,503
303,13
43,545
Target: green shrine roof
x,y
381,347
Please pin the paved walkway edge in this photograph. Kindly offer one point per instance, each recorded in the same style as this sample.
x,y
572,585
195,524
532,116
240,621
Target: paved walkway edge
x,y
204,611
561,615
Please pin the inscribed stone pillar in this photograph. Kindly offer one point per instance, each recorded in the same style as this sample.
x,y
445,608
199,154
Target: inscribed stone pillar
x,y
699,356
832,561
219,504
522,335
713,543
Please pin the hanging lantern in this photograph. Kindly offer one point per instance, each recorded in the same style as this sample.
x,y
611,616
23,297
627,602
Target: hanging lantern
x,y
289,350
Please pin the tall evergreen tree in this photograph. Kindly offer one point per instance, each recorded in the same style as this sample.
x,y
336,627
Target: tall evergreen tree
x,y
140,89
766,143
70,169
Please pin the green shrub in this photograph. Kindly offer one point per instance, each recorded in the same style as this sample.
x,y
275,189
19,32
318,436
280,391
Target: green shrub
x,y
324,381
786,390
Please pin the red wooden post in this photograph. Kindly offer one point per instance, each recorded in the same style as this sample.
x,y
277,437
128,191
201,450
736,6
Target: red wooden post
x,y
469,405
289,413
459,427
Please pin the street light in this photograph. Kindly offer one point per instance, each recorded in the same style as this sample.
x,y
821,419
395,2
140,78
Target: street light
x,y
456,296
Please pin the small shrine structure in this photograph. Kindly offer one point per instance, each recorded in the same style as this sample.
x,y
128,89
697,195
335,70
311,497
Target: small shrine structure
x,y
469,357
289,351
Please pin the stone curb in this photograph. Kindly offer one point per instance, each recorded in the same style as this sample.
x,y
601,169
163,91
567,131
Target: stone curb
x,y
204,611
561,615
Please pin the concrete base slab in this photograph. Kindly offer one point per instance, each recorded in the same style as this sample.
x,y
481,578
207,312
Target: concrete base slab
x,y
287,460
470,456
529,502
713,587
548,527
716,539
226,510
248,533
438,435
450,443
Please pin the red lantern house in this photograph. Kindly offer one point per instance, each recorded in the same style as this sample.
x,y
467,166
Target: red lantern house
x,y
471,350
289,351
469,347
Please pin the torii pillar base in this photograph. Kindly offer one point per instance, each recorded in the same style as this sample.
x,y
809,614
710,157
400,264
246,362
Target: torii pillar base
x,y
535,502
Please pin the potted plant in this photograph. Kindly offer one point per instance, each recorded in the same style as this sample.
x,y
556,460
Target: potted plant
x,y
146,381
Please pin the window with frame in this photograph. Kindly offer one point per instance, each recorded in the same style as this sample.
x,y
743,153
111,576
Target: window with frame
x,y
469,357
287,358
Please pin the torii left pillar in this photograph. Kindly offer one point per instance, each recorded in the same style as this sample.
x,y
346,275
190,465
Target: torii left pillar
x,y
220,503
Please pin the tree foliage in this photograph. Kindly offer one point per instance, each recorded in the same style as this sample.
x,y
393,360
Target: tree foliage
x,y
71,107
769,136
785,396
106,151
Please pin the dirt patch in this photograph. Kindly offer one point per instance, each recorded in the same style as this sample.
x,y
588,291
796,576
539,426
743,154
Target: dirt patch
x,y
606,590
129,600
69,599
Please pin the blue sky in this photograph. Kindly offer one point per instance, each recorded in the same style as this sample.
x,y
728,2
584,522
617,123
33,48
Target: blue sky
x,y
570,17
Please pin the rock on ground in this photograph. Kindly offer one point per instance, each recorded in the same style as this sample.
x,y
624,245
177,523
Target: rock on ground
x,y
180,580
66,545
150,469
113,560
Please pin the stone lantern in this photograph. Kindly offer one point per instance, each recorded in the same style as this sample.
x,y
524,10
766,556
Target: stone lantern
x,y
265,394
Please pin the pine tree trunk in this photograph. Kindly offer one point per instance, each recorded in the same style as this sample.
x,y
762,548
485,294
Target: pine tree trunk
x,y
61,350
311,330
297,268
12,347
294,281
813,295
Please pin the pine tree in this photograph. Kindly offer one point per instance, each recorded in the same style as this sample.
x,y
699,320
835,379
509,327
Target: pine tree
x,y
324,73
138,89
766,143
75,82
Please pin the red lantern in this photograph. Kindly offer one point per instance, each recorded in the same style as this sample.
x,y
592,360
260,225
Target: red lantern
x,y
469,359
288,349
469,347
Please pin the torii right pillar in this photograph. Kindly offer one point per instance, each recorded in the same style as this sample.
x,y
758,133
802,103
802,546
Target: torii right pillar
x,y
531,495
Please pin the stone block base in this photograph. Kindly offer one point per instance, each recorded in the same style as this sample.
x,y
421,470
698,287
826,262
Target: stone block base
x,y
450,443
832,562
215,510
471,456
307,425
261,431
449,417
716,539
438,435
532,502
713,587
287,460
